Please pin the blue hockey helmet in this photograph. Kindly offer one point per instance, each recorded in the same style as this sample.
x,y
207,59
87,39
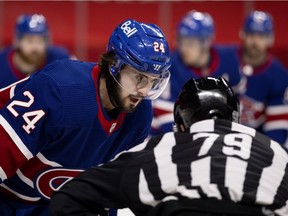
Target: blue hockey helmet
x,y
31,24
143,47
196,24
258,22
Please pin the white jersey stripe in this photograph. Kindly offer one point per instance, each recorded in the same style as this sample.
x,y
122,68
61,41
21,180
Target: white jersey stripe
x,y
268,185
136,148
145,195
166,168
16,139
282,211
3,175
13,84
43,160
277,110
234,177
202,126
201,176
190,193
243,129
275,125
46,161
24,178
12,91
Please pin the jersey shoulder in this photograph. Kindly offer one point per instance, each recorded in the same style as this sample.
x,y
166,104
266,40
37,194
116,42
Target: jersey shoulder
x,y
278,66
227,47
57,52
76,88
4,61
226,51
4,57
68,72
175,57
178,69
276,74
5,52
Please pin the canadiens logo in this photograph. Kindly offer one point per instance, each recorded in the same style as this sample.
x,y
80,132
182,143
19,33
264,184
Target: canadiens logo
x,y
53,179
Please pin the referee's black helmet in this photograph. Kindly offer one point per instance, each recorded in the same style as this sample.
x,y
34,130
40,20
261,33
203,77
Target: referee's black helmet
x,y
205,98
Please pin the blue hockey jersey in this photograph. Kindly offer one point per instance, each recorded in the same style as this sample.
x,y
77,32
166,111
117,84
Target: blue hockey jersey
x,y
54,126
9,72
264,104
222,63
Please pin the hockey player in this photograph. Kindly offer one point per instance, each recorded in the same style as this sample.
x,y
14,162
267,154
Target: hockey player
x,y
73,115
212,167
195,57
264,104
31,50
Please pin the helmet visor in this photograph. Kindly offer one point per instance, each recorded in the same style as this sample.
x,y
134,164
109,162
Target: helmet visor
x,y
152,86
158,86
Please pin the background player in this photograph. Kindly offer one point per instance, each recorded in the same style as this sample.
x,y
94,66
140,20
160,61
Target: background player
x,y
212,166
195,57
264,103
31,49
73,115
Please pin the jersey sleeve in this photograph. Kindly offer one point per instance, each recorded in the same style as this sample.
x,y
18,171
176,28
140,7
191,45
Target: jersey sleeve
x,y
276,112
26,121
93,190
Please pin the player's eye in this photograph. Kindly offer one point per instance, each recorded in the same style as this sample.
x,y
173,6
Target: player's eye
x,y
155,82
141,78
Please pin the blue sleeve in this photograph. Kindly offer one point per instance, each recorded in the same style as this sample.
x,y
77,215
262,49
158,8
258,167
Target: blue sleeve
x,y
276,122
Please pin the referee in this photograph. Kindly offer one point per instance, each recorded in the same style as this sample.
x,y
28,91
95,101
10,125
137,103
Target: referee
x,y
213,166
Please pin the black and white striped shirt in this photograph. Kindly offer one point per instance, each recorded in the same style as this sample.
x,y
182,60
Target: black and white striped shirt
x,y
216,160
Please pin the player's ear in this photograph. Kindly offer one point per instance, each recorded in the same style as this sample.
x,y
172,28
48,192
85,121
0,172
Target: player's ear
x,y
208,42
271,40
241,34
15,41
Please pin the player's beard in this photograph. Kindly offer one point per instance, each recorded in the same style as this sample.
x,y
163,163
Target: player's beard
x,y
253,52
114,92
34,58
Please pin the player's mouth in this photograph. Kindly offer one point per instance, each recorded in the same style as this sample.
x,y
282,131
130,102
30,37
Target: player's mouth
x,y
134,99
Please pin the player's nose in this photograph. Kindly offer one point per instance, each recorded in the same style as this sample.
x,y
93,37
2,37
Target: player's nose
x,y
143,91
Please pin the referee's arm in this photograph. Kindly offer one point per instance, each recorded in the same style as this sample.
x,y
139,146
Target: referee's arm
x,y
93,190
